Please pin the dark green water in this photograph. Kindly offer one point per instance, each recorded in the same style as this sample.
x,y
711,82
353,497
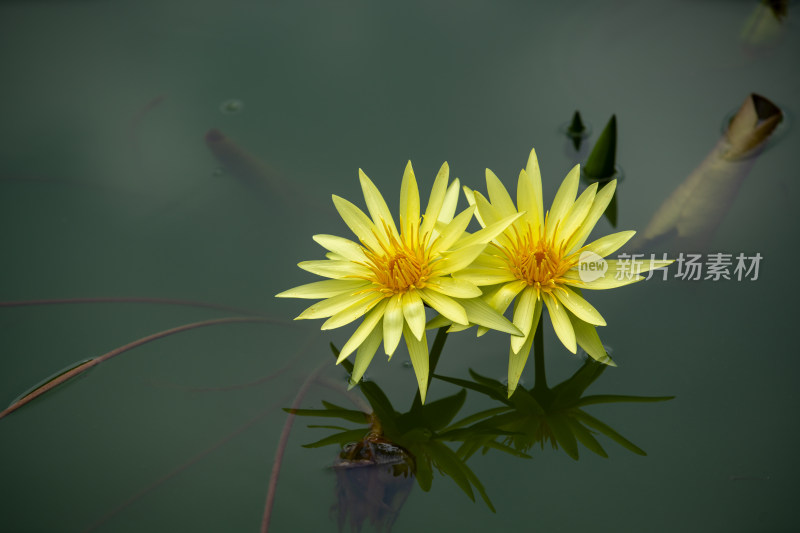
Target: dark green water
x,y
107,189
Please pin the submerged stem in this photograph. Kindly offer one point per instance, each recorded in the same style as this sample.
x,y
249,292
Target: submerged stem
x,y
282,443
129,300
122,349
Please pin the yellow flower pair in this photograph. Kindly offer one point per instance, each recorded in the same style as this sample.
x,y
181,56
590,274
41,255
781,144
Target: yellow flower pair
x,y
522,254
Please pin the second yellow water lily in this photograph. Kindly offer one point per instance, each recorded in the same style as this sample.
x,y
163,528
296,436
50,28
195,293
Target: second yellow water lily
x,y
535,261
391,273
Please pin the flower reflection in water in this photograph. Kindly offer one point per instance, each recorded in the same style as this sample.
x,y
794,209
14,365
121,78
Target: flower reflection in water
x,y
373,480
375,473
543,414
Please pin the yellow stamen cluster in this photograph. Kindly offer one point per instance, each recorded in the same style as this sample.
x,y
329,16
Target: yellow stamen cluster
x,y
400,265
535,260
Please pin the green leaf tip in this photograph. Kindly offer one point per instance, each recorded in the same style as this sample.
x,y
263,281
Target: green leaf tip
x,y
576,127
602,160
576,130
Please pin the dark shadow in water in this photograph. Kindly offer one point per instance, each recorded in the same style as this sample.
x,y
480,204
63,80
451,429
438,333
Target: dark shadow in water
x,y
380,456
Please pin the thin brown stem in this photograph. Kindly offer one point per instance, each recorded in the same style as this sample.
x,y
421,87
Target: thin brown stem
x,y
176,471
126,300
287,429
122,349
202,454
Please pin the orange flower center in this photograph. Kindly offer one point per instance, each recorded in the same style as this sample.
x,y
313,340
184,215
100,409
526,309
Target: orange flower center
x,y
399,266
535,260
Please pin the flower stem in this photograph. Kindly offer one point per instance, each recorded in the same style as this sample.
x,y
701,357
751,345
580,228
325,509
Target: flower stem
x,y
538,358
436,352
81,368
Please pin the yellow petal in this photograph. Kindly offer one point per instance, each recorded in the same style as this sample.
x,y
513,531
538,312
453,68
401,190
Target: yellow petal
x,y
377,207
529,198
563,200
457,259
392,324
455,328
341,246
498,195
561,323
481,313
335,269
607,281
484,276
489,216
438,321
418,351
357,221
414,312
528,306
331,306
588,339
445,305
517,360
601,201
620,272
487,211
470,195
324,289
452,231
610,243
535,177
347,315
489,260
409,202
579,307
436,200
646,265
502,297
576,214
450,202
489,232
370,322
365,354
455,288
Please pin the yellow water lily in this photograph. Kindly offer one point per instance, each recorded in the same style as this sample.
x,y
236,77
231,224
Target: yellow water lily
x,y
391,273
536,261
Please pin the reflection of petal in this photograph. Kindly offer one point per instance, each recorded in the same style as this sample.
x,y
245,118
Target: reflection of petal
x,y
695,209
374,478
